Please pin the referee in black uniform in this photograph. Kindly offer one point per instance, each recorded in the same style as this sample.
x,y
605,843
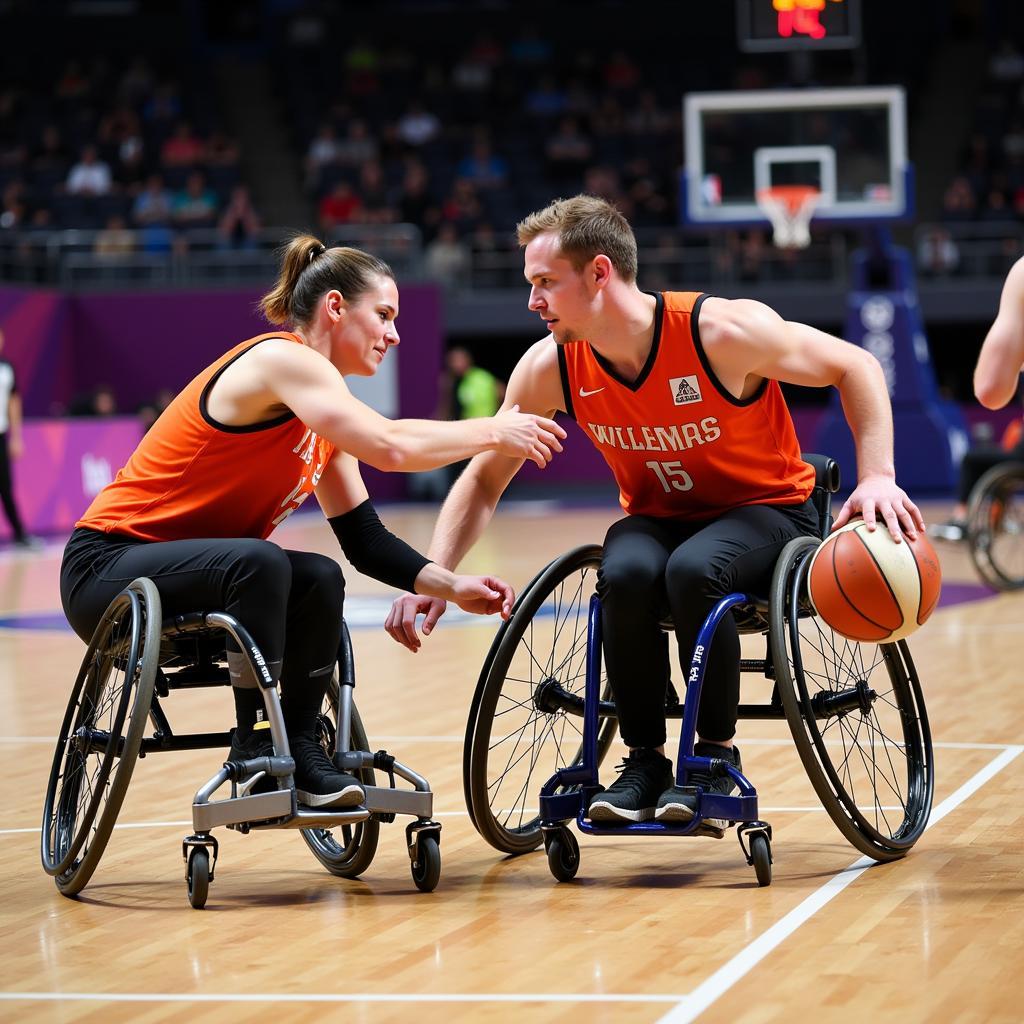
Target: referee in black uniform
x,y
10,446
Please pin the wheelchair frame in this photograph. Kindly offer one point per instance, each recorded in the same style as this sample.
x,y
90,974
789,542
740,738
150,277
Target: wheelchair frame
x,y
986,520
182,654
810,715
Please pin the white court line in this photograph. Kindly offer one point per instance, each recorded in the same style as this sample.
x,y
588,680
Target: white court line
x,y
687,1007
747,959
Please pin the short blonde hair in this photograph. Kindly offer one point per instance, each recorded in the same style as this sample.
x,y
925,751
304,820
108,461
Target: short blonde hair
x,y
586,227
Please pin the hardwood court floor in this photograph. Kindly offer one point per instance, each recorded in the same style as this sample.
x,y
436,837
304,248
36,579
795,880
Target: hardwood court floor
x,y
650,930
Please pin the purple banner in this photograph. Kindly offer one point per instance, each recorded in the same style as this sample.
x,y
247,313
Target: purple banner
x,y
65,464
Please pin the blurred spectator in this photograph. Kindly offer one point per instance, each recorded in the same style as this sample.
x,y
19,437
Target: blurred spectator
x,y
183,148
154,205
115,240
13,211
50,156
620,73
446,259
136,83
417,205
417,126
221,150
90,176
995,206
568,152
374,198
462,207
357,147
482,166
937,253
1007,63
958,201
339,206
239,224
195,206
99,402
323,150
547,99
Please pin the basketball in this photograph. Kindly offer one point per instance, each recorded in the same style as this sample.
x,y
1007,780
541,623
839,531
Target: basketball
x,y
869,588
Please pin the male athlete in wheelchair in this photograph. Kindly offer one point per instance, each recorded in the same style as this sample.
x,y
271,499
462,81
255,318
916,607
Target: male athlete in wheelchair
x,y
679,392
176,548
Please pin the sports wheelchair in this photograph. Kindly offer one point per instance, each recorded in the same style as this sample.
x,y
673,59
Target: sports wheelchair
x,y
134,659
995,526
543,718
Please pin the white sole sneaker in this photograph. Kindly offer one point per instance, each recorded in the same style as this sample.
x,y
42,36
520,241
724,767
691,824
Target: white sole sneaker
x,y
350,796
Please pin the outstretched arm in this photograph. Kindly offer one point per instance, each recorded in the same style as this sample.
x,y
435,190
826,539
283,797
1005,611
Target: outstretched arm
x,y
1002,355
535,386
748,340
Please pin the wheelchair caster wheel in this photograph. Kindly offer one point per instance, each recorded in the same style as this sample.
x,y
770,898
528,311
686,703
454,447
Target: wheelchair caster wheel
x,y
198,876
761,858
563,855
426,865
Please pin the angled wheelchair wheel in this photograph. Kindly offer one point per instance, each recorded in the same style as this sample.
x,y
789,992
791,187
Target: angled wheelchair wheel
x,y
525,721
100,737
995,526
857,716
346,851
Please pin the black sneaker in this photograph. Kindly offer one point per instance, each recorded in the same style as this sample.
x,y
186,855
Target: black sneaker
x,y
678,805
317,782
257,744
643,776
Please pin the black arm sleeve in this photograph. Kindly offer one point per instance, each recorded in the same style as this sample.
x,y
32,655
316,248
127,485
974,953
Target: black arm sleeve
x,y
373,550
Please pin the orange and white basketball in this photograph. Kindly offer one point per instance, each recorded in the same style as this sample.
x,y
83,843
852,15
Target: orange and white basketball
x,y
869,588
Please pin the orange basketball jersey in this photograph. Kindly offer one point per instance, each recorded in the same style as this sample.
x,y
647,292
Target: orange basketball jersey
x,y
679,444
192,477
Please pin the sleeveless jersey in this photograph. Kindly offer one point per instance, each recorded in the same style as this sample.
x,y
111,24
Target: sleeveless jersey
x,y
191,477
679,444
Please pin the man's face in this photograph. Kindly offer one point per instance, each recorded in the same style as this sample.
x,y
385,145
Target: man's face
x,y
558,291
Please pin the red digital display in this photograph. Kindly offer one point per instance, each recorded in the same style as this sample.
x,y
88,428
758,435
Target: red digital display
x,y
797,24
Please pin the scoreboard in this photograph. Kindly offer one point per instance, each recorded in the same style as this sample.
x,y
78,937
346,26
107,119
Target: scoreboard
x,y
779,25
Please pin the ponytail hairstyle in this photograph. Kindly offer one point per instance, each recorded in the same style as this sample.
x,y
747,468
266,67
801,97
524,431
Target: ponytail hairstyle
x,y
309,270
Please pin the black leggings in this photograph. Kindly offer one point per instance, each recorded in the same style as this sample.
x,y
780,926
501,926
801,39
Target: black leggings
x,y
290,601
652,567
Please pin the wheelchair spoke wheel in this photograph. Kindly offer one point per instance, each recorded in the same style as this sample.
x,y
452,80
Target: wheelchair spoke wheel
x,y
857,715
346,851
995,527
526,721
100,737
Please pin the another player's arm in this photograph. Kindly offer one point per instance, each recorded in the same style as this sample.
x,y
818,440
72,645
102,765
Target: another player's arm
x,y
535,386
1002,355
303,381
378,553
747,339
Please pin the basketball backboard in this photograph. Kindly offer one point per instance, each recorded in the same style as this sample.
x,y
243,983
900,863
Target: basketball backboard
x,y
850,144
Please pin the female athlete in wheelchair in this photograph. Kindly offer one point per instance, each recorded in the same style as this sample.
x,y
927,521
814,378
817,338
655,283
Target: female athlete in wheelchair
x,y
184,526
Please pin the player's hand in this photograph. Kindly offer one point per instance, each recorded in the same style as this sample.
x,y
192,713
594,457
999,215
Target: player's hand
x,y
881,497
401,621
526,436
483,595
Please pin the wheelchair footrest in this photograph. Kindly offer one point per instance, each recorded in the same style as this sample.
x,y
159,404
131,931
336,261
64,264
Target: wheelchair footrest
x,y
383,799
236,810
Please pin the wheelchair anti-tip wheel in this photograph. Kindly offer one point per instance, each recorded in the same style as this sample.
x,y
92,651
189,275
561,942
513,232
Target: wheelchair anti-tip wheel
x,y
857,716
100,737
525,721
348,850
995,526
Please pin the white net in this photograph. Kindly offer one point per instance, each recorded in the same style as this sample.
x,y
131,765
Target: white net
x,y
789,208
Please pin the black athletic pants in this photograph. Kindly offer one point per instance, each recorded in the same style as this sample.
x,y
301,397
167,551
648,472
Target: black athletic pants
x,y
7,491
290,601
656,566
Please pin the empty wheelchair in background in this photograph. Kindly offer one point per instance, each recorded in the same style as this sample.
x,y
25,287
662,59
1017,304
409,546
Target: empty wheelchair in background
x,y
135,659
543,718
995,526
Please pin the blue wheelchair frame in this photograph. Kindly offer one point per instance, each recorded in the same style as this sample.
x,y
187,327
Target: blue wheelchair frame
x,y
557,808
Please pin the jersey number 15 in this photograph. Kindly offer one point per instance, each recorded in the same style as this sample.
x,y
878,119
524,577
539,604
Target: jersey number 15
x,y
671,475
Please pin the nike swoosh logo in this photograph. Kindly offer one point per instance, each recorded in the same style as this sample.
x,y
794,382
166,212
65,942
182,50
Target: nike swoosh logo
x,y
587,394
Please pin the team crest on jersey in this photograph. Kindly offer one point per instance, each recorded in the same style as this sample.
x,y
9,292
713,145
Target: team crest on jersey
x,y
685,390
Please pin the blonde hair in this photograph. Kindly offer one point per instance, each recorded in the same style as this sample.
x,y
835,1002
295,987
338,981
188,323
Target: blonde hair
x,y
586,226
309,269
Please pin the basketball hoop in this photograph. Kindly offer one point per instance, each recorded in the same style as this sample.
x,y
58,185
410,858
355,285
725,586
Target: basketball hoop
x,y
789,208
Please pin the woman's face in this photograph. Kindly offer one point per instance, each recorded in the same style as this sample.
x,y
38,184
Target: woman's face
x,y
365,329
